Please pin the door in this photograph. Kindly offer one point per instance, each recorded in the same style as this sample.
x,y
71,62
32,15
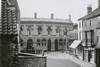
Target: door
x,y
49,45
56,45
29,45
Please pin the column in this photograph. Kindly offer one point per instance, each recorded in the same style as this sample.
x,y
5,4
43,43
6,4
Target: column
x,y
44,32
52,44
62,31
53,30
24,32
32,31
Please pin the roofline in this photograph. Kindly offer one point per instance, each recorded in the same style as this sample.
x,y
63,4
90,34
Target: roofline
x,y
45,20
86,17
45,23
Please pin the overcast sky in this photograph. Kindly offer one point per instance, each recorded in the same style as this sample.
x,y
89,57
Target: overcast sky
x,y
60,8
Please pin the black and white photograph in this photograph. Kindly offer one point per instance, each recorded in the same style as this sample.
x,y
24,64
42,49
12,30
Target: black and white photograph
x,y
49,33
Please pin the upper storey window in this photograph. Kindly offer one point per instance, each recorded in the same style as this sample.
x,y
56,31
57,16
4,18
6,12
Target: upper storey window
x,y
65,31
22,27
49,29
58,29
39,29
29,29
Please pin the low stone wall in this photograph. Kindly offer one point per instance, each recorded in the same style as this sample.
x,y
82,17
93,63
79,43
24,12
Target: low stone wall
x,y
32,61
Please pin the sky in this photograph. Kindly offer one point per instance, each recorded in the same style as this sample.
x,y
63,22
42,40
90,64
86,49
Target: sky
x,y
60,8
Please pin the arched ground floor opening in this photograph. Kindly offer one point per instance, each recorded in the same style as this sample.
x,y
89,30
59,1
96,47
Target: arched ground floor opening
x,y
56,45
49,45
39,44
30,47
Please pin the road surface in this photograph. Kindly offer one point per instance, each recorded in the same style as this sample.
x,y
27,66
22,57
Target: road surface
x,y
52,62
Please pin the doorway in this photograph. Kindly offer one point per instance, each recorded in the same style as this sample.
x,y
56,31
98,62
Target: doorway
x,y
49,45
56,45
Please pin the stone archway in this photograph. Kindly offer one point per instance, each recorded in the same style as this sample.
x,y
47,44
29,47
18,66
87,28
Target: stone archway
x,y
29,45
43,42
56,45
49,45
61,44
38,42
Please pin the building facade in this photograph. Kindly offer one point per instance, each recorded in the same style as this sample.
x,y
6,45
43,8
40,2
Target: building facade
x,y
75,46
73,34
42,34
90,28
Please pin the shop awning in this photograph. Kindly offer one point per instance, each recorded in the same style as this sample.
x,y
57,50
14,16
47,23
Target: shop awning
x,y
75,44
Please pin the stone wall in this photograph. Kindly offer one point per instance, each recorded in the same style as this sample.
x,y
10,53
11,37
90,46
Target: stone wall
x,y
32,61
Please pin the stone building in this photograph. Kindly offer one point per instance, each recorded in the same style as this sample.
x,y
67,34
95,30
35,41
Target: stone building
x,y
75,46
90,32
73,34
47,34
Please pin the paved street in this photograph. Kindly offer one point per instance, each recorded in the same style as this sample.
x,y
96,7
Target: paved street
x,y
51,62
59,59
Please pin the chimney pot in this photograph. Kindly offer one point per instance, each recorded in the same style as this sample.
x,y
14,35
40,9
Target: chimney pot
x,y
52,16
69,17
98,3
89,9
35,15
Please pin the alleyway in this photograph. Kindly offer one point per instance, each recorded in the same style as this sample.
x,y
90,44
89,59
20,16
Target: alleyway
x,y
59,59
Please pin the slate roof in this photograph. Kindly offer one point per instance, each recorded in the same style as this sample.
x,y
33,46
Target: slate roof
x,y
93,14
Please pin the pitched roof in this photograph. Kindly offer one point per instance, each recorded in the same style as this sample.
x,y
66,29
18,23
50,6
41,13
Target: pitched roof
x,y
93,14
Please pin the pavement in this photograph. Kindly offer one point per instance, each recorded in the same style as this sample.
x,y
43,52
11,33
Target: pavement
x,y
70,58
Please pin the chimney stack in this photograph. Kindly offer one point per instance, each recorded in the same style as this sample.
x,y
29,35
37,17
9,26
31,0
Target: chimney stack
x,y
98,3
69,17
35,15
52,16
89,9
